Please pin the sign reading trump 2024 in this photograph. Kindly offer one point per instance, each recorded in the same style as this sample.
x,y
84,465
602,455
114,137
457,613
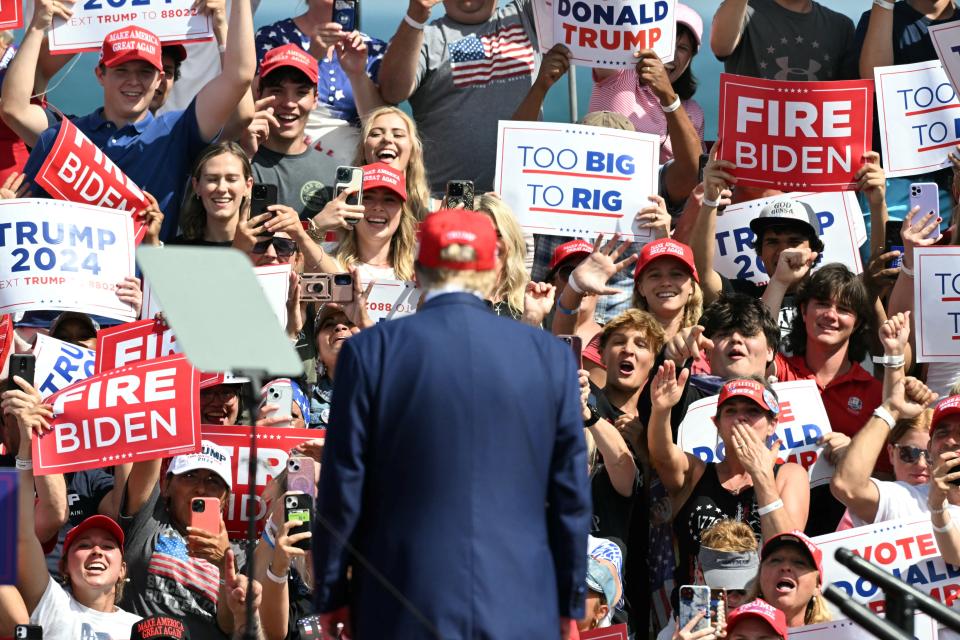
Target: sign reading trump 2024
x,y
841,229
63,255
916,106
59,364
605,33
91,21
573,180
808,136
801,424
936,292
145,411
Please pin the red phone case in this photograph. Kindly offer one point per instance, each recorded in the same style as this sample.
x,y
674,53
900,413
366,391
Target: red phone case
x,y
209,518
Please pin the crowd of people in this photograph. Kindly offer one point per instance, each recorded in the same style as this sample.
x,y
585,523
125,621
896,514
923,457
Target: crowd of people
x,y
112,553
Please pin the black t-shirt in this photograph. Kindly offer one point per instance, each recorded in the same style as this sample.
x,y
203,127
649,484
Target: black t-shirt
x,y
611,510
199,242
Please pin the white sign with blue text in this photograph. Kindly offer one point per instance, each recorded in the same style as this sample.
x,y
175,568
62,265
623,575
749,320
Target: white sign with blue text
x,y
936,293
841,226
63,255
574,180
59,364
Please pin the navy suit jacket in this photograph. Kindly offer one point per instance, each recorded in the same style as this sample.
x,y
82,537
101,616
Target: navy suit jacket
x,y
455,463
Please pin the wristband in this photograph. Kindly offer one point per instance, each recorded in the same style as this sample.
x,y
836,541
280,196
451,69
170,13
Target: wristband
x,y
413,24
884,415
222,48
883,4
944,528
770,508
713,204
24,465
673,106
567,312
573,287
905,270
890,362
274,577
943,507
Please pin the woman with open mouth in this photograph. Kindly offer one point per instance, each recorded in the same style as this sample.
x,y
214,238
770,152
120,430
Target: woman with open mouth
x,y
790,578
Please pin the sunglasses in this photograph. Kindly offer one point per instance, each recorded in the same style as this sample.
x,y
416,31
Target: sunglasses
x,y
285,247
910,454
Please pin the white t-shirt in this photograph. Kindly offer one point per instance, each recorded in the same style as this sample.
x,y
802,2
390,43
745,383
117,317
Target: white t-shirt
x,y
63,618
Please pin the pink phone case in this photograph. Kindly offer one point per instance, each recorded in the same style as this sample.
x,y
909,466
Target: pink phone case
x,y
209,518
925,195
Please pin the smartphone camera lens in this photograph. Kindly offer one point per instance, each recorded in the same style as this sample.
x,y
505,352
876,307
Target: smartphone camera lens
x,y
197,506
291,502
259,191
294,466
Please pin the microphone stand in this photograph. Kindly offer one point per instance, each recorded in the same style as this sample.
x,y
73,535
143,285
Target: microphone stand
x,y
250,392
864,617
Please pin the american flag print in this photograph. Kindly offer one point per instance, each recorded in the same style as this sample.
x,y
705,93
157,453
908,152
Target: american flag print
x,y
506,53
170,560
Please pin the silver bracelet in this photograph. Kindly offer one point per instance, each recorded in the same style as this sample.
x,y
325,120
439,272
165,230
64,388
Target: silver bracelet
x,y
890,362
413,24
706,202
883,4
770,508
24,465
885,415
944,528
274,577
673,106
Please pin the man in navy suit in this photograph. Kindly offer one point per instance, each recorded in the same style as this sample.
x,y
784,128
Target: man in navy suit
x,y
454,466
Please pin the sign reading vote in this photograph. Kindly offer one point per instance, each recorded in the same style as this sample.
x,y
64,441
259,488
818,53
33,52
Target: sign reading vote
x,y
78,171
145,411
574,180
171,21
273,448
795,135
59,364
841,226
605,33
917,108
63,255
905,548
803,421
936,292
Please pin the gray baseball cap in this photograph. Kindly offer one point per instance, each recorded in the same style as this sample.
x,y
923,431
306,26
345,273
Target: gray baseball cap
x,y
786,210
728,569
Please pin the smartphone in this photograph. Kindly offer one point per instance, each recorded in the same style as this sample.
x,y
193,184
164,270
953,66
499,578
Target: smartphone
x,y
694,599
23,365
326,287
28,632
704,159
205,514
350,179
279,394
893,242
301,475
262,195
459,192
576,345
925,195
299,507
345,14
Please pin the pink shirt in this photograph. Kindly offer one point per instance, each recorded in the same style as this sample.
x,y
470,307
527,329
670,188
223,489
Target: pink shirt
x,y
620,93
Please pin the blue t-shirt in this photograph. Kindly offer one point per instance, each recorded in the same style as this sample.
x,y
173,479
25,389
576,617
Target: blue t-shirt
x,y
157,153
333,88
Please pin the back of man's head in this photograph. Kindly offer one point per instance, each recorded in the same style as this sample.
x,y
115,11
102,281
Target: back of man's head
x,y
458,248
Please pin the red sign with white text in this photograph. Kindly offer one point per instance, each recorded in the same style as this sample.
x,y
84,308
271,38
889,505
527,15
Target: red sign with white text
x,y
133,342
794,136
77,170
145,411
11,14
273,449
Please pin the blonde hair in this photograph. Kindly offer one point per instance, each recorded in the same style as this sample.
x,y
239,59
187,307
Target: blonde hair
x,y
403,246
193,215
639,320
692,310
954,390
513,278
817,610
418,189
729,536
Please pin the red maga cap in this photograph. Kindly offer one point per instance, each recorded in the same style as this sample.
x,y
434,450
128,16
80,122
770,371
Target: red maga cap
x,y
289,55
129,44
799,539
382,175
458,226
760,610
94,522
666,248
946,407
574,248
750,389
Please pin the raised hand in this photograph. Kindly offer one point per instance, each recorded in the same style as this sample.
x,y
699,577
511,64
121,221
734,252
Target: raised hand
x,y
793,264
754,454
538,300
554,66
666,388
652,73
592,274
717,179
895,334
688,343
908,398
655,217
259,128
871,180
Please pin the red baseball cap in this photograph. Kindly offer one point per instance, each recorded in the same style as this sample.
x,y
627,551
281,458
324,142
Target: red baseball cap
x,y
94,522
750,389
380,174
567,251
666,248
761,610
289,55
129,44
458,226
946,407
799,539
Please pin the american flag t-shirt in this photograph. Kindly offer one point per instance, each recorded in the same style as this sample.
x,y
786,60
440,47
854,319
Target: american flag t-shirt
x,y
506,53
170,560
